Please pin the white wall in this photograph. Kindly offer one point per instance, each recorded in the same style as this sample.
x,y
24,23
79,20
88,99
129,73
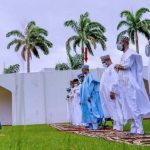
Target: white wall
x,y
39,98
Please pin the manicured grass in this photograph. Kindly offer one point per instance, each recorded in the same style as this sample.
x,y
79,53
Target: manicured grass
x,y
43,137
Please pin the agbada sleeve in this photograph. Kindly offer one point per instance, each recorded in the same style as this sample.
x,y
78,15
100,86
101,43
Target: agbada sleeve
x,y
114,85
128,63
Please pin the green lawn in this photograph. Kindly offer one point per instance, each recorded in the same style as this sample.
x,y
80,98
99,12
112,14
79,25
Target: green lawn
x,y
43,137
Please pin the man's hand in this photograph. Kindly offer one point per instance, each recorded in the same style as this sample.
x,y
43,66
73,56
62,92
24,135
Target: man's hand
x,y
119,67
89,100
112,96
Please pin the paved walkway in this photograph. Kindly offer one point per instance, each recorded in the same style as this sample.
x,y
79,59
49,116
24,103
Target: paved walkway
x,y
107,134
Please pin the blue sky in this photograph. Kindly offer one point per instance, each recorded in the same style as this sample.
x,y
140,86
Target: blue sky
x,y
15,14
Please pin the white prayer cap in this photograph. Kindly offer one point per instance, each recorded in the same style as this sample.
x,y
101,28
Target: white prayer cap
x,y
85,67
124,39
80,75
105,57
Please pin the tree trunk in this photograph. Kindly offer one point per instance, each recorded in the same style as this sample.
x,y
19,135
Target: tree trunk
x,y
136,41
82,53
28,61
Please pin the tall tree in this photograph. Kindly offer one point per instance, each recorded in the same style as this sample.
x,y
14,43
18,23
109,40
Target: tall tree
x,y
135,24
88,35
32,40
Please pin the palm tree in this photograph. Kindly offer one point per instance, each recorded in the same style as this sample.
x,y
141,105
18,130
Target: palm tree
x,y
32,40
75,63
88,34
135,24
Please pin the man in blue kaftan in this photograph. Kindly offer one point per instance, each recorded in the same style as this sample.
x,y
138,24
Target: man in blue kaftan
x,y
90,100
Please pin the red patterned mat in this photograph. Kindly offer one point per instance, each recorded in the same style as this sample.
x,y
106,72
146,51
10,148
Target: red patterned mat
x,y
107,134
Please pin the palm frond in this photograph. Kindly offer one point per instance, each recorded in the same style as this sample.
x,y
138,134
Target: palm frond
x,y
86,14
122,34
35,52
15,33
39,31
15,41
128,15
87,43
43,47
30,25
68,42
76,43
122,23
140,12
73,24
102,43
125,13
84,23
96,25
146,33
49,44
146,23
18,46
97,36
131,35
92,40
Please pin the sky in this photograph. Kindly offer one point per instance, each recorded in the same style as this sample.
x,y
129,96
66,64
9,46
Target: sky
x,y
51,15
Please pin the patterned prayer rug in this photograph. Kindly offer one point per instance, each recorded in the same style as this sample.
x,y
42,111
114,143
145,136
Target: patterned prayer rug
x,y
107,134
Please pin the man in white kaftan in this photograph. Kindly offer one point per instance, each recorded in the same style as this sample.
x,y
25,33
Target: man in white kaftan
x,y
111,107
135,102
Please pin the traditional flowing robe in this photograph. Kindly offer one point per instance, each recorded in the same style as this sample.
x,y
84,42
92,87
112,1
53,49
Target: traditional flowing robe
x,y
111,108
77,114
91,111
131,85
70,106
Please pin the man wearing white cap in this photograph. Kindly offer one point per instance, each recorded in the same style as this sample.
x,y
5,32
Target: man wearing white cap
x,y
90,100
135,102
111,105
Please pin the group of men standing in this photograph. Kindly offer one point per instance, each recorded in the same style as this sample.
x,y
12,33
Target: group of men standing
x,y
84,100
122,92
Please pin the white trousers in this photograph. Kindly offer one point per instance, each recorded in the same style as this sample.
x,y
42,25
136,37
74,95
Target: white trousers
x,y
70,111
117,126
136,126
